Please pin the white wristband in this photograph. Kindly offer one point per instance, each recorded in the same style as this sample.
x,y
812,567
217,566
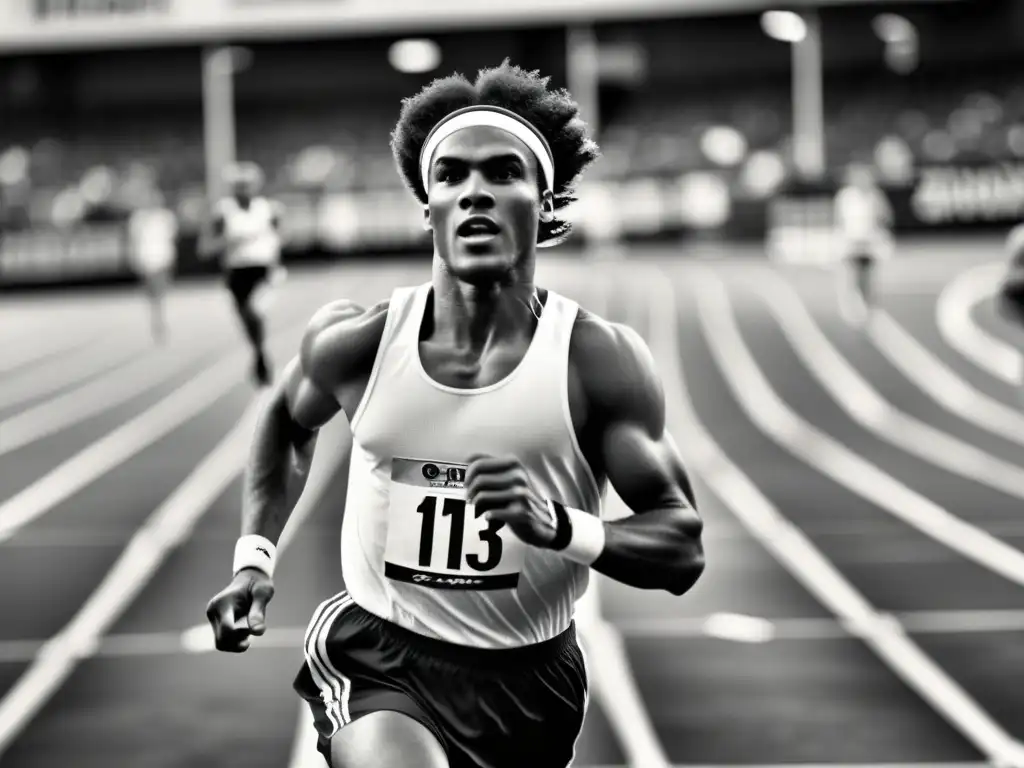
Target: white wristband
x,y
254,551
586,541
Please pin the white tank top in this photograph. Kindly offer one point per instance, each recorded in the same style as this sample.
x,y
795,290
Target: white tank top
x,y
152,232
412,551
251,238
859,213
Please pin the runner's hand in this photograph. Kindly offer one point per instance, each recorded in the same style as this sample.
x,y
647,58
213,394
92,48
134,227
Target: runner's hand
x,y
239,610
500,489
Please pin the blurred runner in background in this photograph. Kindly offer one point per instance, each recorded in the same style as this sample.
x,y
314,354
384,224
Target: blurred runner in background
x,y
863,220
245,234
152,234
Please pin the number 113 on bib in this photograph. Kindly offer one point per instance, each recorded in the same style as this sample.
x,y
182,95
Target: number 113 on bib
x,y
437,540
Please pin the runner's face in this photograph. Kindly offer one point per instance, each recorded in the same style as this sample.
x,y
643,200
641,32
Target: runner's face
x,y
245,189
484,203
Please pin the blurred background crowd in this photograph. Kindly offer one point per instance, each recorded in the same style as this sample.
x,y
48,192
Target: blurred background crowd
x,y
695,120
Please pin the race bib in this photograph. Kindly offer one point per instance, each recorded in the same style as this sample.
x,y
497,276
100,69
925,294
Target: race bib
x,y
435,539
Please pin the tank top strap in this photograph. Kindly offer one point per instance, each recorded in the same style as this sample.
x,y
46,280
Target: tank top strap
x,y
408,304
564,311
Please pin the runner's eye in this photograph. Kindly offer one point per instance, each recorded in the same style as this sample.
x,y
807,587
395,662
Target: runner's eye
x,y
449,173
507,170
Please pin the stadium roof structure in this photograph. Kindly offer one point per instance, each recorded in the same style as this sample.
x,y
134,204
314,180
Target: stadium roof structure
x,y
42,25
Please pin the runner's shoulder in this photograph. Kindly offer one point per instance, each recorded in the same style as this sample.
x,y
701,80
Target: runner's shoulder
x,y
596,339
341,341
614,363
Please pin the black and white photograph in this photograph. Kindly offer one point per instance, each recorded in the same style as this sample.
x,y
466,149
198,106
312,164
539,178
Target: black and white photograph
x,y
530,384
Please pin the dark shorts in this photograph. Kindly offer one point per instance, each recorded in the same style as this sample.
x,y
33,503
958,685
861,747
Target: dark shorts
x,y
1010,303
242,281
862,259
516,708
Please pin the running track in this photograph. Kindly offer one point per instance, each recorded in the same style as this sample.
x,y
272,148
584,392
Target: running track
x,y
863,496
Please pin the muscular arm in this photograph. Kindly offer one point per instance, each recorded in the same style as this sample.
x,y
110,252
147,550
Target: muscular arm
x,y
335,348
659,547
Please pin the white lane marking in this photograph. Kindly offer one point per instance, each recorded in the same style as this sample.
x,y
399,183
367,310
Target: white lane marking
x,y
953,313
168,526
881,632
115,387
722,625
937,380
100,394
65,370
28,349
775,418
189,321
69,477
739,628
863,403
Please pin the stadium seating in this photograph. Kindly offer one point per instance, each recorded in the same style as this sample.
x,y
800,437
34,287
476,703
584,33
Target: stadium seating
x,y
91,164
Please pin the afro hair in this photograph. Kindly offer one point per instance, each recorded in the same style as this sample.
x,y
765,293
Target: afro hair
x,y
552,112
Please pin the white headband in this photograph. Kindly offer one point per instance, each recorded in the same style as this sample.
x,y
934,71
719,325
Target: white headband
x,y
491,119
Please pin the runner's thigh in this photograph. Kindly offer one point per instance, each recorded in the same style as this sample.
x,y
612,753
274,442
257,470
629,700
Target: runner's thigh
x,y
386,740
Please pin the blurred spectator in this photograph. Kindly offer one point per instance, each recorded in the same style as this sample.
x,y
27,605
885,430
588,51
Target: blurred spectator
x,y
152,239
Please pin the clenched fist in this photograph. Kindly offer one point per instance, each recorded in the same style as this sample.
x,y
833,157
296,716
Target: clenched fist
x,y
500,488
239,610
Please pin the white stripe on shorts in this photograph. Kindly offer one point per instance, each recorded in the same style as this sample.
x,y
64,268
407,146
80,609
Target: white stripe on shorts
x,y
334,687
341,684
315,624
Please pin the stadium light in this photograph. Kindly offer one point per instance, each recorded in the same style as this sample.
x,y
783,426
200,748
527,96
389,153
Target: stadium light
x,y
892,28
763,173
723,145
414,56
803,32
901,41
785,26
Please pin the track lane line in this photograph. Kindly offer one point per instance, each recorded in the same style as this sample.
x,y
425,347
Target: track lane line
x,y
859,400
166,528
194,640
66,370
117,446
114,388
953,313
880,632
827,455
937,380
27,349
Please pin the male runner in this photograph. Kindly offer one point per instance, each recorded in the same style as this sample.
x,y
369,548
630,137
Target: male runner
x,y
245,232
487,417
864,230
